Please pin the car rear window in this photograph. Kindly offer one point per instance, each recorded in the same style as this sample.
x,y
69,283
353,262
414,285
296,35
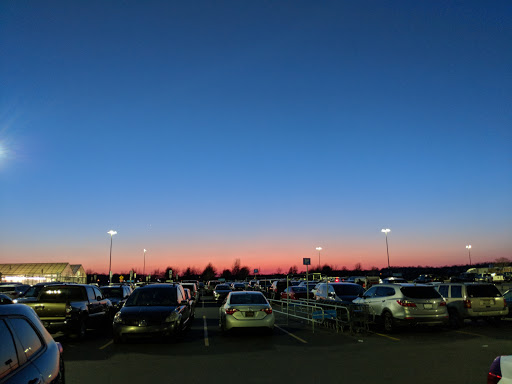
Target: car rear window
x,y
247,299
222,287
483,291
420,292
113,292
56,294
348,289
163,296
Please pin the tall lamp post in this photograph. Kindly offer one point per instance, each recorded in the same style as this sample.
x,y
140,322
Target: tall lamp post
x,y
144,270
319,249
385,231
111,233
468,247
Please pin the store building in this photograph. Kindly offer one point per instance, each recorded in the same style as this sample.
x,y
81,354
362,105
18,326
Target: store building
x,y
32,273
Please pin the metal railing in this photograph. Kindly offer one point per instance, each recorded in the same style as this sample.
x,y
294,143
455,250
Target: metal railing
x,y
352,317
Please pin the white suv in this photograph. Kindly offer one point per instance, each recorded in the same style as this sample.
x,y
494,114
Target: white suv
x,y
402,304
472,300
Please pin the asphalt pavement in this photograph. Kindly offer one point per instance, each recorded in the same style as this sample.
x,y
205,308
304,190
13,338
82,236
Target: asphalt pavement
x,y
293,353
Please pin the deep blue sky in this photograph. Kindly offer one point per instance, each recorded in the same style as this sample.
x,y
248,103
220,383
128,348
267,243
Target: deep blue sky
x,y
209,131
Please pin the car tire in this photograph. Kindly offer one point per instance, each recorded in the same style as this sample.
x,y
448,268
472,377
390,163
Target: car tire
x,y
61,377
387,322
82,329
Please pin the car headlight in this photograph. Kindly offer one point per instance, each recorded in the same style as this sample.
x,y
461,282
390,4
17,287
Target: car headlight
x,y
172,318
118,319
15,301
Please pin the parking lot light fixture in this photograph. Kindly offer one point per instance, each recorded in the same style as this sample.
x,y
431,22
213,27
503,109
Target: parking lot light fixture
x,y
385,231
111,233
144,270
318,249
468,247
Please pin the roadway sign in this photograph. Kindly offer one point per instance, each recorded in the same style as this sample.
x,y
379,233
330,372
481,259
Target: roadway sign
x,y
170,273
306,261
121,278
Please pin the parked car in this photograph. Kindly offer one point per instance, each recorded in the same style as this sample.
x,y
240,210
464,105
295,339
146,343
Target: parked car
x,y
32,293
296,293
117,294
472,301
405,304
249,309
4,299
153,310
73,308
484,277
238,286
466,277
263,285
500,370
194,290
192,303
508,299
220,292
277,287
394,280
14,290
28,352
341,293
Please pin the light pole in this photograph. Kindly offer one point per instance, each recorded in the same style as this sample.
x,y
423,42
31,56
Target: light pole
x,y
144,270
111,233
468,247
319,249
385,231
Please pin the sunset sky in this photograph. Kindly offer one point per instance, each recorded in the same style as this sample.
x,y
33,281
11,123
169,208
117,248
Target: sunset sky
x,y
210,131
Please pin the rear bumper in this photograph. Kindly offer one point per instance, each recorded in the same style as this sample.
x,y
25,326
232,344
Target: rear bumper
x,y
267,322
497,313
441,320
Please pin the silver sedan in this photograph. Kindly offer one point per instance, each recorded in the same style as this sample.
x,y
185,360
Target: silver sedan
x,y
246,309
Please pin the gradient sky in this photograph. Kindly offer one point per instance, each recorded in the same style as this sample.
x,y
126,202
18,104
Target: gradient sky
x,y
208,131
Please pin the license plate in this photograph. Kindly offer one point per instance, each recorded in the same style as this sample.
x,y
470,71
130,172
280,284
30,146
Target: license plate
x,y
486,302
249,314
427,306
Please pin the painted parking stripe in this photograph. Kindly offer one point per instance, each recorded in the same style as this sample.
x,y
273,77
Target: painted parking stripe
x,y
206,341
291,334
106,345
389,337
469,333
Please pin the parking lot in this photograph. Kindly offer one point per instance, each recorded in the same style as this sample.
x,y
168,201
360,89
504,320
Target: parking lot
x,y
292,352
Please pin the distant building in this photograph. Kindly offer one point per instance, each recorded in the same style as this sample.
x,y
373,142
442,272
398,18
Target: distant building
x,y
32,273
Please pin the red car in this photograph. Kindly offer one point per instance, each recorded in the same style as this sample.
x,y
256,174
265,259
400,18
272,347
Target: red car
x,y
295,293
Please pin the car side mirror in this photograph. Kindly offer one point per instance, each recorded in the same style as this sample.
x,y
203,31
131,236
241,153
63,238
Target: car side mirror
x,y
99,298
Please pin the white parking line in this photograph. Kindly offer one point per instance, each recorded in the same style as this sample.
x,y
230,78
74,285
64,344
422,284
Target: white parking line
x,y
106,345
206,342
291,334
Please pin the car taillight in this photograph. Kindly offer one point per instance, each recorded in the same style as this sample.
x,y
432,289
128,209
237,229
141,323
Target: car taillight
x,y
268,311
230,311
68,309
406,303
442,304
494,375
467,303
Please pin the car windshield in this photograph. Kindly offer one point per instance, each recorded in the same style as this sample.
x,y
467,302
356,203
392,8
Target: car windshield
x,y
348,289
113,292
247,299
153,297
33,291
222,288
61,294
420,292
483,291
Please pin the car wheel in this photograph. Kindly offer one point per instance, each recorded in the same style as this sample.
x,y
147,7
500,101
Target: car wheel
x,y
82,329
61,379
387,322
